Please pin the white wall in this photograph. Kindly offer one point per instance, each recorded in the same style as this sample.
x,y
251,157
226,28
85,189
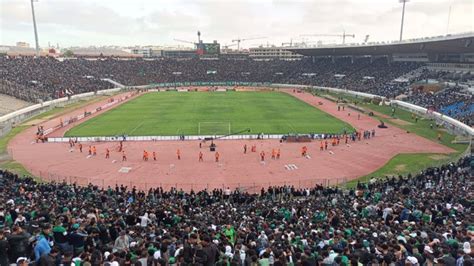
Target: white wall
x,y
26,113
467,130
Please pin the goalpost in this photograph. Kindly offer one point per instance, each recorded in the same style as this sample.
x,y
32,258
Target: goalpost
x,y
214,128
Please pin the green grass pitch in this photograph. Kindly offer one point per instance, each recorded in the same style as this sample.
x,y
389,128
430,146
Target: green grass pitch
x,y
176,113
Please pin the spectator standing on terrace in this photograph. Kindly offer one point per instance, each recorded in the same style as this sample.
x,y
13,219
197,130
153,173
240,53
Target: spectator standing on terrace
x,y
18,243
49,258
4,249
122,242
144,220
41,248
77,238
190,250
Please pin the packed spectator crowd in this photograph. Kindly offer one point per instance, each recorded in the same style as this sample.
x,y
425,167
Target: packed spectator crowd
x,y
444,76
416,220
39,79
34,79
43,77
444,98
452,99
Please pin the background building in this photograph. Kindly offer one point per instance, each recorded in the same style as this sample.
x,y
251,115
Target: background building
x,y
273,52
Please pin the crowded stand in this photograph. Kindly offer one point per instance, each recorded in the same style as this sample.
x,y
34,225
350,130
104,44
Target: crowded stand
x,y
50,77
451,98
451,101
36,79
416,220
45,78
444,76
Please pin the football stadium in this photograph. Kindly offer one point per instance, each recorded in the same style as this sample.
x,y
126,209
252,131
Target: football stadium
x,y
352,153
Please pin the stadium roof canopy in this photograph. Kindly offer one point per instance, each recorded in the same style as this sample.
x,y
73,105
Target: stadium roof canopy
x,y
451,44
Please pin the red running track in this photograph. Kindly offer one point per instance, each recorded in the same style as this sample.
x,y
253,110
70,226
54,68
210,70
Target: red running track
x,y
56,161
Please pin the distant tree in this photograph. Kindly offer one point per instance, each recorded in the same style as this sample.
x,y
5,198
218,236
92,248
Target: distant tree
x,y
68,53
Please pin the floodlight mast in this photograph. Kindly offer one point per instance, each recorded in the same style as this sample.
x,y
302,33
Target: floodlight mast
x,y
403,17
34,25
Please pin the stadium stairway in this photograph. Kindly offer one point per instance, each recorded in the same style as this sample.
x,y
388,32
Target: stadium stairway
x,y
412,75
115,83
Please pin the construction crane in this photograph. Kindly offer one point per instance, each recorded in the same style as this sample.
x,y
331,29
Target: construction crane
x,y
366,38
286,43
302,43
184,41
343,35
228,45
245,39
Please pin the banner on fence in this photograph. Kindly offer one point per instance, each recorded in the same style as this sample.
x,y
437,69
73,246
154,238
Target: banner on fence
x,y
203,83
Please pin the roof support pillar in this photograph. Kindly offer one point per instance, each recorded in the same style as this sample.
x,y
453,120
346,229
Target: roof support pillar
x,y
433,57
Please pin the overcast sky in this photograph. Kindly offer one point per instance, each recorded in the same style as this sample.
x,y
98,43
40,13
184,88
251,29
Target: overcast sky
x,y
158,22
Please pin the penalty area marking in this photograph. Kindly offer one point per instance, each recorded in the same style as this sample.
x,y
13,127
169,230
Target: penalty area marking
x,y
291,126
225,130
291,167
125,170
133,130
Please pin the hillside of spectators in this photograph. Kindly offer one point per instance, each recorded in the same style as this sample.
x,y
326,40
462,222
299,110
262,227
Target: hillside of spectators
x,y
426,219
36,79
31,78
39,79
451,101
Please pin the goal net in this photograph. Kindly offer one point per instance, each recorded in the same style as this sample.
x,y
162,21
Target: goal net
x,y
214,128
